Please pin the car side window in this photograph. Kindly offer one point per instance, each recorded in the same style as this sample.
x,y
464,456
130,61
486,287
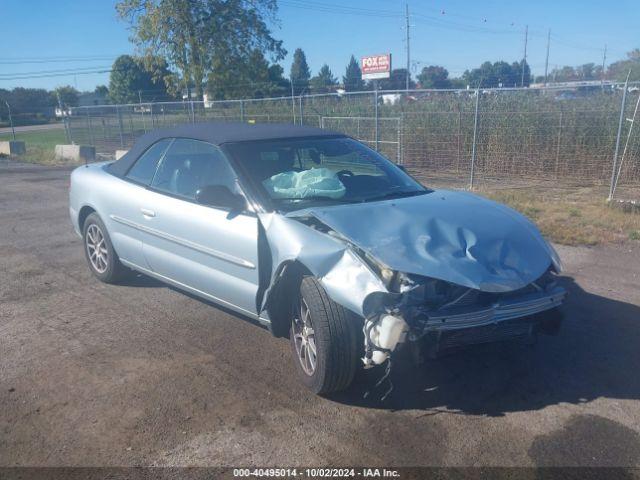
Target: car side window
x,y
189,165
145,167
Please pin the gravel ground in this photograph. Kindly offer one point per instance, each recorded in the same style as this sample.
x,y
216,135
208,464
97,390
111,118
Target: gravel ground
x,y
141,374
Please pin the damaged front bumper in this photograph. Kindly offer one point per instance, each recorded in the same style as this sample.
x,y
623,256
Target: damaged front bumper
x,y
501,310
504,317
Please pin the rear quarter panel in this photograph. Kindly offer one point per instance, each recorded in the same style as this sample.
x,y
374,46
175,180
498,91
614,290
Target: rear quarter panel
x,y
106,194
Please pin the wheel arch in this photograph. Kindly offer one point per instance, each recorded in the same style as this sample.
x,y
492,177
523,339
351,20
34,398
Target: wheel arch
x,y
280,297
84,212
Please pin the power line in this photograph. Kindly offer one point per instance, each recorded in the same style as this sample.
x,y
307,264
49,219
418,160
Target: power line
x,y
60,57
339,9
69,74
62,60
434,21
71,71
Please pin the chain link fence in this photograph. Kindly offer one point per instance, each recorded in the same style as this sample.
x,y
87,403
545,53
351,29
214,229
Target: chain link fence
x,y
497,138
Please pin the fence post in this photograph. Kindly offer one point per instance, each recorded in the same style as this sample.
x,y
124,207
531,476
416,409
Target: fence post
x,y
558,145
626,145
293,105
620,122
301,111
13,130
242,111
193,113
475,135
458,138
144,123
89,127
153,123
398,154
120,126
377,119
67,130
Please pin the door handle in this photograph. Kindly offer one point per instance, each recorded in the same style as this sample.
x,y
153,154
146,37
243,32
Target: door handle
x,y
148,213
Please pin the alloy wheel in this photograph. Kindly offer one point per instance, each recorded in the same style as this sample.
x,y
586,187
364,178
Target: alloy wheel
x,y
304,339
97,248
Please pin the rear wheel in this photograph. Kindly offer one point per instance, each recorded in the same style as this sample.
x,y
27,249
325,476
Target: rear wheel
x,y
102,258
323,339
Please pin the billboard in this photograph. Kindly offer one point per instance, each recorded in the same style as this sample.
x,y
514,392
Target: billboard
x,y
376,66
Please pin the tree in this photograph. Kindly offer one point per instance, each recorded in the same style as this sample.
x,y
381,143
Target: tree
x,y
26,100
254,79
586,71
130,81
280,86
619,70
353,76
323,82
103,92
68,96
300,72
27,104
396,81
434,76
196,35
498,74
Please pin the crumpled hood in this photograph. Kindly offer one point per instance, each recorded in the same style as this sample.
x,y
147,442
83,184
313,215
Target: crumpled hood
x,y
453,236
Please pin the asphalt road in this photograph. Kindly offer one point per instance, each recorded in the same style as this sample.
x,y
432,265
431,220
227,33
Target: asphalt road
x,y
33,128
140,374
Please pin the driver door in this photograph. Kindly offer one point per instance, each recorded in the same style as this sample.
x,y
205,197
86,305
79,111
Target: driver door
x,y
197,247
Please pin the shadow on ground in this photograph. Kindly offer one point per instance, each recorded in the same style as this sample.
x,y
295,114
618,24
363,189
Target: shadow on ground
x,y
595,355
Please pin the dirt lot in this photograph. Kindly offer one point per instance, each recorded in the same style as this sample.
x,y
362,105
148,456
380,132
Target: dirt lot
x,y
141,374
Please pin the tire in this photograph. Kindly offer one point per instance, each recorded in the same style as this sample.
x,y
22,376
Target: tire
x,y
106,265
334,334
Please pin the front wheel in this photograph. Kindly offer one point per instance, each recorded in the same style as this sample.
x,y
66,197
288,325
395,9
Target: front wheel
x,y
102,258
323,339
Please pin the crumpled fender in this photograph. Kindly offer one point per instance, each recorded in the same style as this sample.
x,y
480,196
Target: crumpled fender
x,y
347,279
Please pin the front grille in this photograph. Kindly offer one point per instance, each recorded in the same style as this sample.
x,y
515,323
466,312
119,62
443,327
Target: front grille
x,y
505,309
502,331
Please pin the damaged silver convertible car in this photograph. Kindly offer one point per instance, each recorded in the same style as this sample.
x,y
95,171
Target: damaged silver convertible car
x,y
321,239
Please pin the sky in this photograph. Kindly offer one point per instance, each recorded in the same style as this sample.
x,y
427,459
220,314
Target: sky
x,y
58,41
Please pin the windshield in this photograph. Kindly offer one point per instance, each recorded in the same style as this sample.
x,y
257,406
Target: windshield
x,y
301,173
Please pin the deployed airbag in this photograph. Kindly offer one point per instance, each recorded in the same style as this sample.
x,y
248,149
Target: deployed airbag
x,y
316,182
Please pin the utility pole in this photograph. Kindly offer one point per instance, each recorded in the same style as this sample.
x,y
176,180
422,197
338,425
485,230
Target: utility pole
x,y
408,46
546,62
604,60
524,58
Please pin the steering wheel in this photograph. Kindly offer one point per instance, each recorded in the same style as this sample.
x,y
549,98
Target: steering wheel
x,y
345,173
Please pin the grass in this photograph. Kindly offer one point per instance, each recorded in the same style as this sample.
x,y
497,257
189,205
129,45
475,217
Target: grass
x,y
573,218
40,144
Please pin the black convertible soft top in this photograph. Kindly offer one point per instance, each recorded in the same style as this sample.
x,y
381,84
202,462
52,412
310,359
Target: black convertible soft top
x,y
218,133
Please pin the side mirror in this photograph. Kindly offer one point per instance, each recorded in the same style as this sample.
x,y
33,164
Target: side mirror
x,y
220,196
